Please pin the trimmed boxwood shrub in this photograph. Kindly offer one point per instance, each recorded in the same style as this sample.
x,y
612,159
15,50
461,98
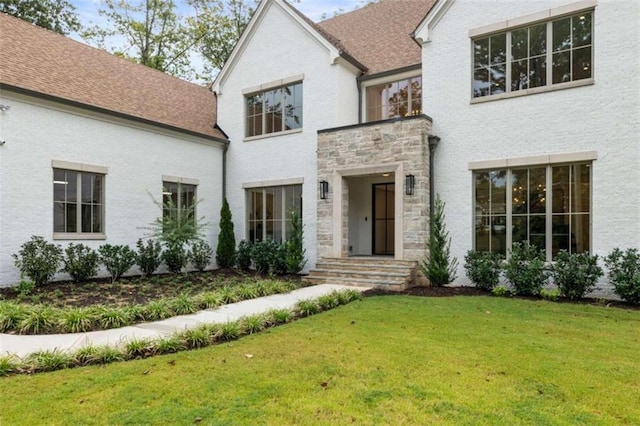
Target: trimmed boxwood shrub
x,y
38,260
624,273
576,274
80,261
525,269
483,268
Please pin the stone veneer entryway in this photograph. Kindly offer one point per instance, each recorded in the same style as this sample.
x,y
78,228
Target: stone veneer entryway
x,y
394,148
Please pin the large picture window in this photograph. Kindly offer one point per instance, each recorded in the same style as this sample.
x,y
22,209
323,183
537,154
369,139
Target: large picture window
x,y
78,202
543,54
274,110
548,206
394,99
270,211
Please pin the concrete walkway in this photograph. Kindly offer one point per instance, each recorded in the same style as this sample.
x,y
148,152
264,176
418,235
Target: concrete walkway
x,y
24,345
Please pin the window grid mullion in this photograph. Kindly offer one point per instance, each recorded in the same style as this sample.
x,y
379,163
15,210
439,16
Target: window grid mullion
x,y
509,212
79,203
548,213
508,58
283,220
549,54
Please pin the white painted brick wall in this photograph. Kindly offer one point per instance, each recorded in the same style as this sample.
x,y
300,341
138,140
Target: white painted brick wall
x,y
37,133
279,49
604,117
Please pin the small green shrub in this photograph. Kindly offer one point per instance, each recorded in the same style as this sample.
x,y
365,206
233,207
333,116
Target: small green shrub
x,y
269,257
294,246
80,261
175,257
246,291
483,268
86,355
328,301
38,320
576,274
38,260
118,259
525,269
108,354
209,300
149,256
551,295
25,287
228,294
226,249
243,256
200,255
501,291
624,273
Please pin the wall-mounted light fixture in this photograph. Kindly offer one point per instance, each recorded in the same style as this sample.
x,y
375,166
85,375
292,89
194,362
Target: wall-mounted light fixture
x,y
324,189
410,184
4,107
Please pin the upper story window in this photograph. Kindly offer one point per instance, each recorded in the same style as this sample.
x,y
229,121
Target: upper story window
x,y
275,110
395,99
542,54
78,203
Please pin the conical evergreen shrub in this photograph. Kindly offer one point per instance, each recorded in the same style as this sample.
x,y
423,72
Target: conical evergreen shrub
x,y
226,250
439,268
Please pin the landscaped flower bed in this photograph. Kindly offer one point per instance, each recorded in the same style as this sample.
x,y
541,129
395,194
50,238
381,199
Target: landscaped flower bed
x,y
194,338
81,307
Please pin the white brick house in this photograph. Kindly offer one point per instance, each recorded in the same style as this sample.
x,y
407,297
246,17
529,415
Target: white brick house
x,y
523,116
89,141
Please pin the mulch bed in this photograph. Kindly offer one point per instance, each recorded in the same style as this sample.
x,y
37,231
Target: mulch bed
x,y
130,290
451,291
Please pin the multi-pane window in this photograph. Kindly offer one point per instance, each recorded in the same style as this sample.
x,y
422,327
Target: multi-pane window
x,y
539,55
274,110
395,99
548,206
78,202
269,211
178,199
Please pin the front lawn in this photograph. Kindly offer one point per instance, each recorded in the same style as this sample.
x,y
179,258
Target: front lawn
x,y
391,359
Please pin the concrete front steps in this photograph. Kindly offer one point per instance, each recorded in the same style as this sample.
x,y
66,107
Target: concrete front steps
x,y
377,272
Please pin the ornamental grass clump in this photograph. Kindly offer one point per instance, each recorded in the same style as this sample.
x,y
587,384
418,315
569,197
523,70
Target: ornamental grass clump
x,y
525,269
576,274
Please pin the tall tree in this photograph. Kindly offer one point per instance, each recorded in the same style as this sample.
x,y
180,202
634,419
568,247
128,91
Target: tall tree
x,y
154,34
55,15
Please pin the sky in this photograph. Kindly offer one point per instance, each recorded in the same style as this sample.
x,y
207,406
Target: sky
x,y
314,9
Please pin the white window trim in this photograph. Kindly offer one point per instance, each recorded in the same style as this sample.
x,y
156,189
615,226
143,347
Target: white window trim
x,y
519,163
273,85
177,179
547,16
271,135
88,168
269,183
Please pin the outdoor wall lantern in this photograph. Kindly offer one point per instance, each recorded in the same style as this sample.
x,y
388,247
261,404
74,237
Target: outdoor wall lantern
x,y
324,189
410,184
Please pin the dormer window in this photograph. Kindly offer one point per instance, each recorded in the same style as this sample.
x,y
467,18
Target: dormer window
x,y
400,98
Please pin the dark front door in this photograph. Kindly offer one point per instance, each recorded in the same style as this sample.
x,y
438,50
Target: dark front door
x,y
383,218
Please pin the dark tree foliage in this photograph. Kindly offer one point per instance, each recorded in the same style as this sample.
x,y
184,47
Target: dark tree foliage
x,y
55,15
439,267
226,250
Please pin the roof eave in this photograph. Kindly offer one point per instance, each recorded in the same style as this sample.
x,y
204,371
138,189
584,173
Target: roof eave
x,y
93,108
422,33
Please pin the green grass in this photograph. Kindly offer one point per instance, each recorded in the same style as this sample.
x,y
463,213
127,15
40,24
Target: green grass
x,y
389,360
